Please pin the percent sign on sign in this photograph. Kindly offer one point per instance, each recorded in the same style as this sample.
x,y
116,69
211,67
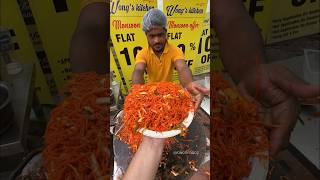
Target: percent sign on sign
x,y
192,46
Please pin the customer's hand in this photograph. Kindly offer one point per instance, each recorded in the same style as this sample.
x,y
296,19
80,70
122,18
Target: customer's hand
x,y
276,89
145,161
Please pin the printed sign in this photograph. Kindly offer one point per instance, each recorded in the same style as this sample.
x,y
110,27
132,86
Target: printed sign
x,y
56,22
186,30
117,73
260,10
18,18
204,56
293,19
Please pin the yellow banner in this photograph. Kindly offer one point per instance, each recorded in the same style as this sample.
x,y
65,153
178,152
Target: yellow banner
x,y
293,19
259,10
11,18
216,63
116,73
285,20
56,21
185,29
202,61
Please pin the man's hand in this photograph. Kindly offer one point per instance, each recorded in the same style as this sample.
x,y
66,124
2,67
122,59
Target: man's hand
x,y
197,92
186,80
88,48
277,90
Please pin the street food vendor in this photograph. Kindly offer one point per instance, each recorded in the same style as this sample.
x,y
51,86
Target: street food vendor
x,y
161,57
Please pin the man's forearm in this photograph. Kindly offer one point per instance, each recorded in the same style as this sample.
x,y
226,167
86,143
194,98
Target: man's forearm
x,y
240,40
88,51
185,76
146,160
88,48
137,77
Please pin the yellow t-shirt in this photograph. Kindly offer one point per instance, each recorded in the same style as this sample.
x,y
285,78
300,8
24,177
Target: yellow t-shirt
x,y
160,70
84,3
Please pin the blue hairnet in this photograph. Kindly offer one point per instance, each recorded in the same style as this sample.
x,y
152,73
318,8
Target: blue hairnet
x,y
154,17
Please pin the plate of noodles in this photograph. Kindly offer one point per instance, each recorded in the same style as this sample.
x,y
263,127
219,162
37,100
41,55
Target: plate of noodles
x,y
158,110
240,140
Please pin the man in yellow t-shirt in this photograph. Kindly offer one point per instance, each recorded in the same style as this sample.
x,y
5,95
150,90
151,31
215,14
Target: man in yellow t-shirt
x,y
159,69
161,57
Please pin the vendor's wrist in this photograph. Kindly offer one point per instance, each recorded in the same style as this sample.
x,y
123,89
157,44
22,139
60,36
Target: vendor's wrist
x,y
189,86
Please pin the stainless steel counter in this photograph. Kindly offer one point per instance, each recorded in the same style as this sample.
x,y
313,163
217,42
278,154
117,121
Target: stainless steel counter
x,y
13,141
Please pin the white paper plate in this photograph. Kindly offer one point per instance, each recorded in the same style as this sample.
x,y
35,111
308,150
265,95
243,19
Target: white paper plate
x,y
166,134
259,170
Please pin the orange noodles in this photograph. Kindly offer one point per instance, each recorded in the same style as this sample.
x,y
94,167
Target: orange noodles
x,y
76,139
237,132
156,106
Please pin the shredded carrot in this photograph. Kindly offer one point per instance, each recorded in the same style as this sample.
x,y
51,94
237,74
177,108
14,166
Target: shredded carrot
x,y
237,133
155,106
78,131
